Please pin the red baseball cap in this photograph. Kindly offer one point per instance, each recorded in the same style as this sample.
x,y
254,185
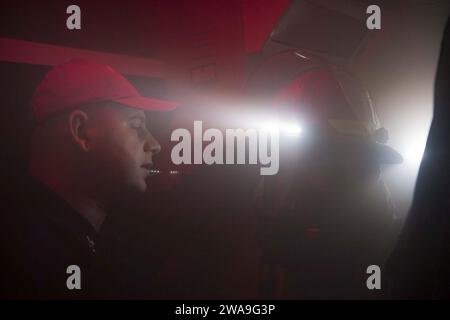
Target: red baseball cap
x,y
79,82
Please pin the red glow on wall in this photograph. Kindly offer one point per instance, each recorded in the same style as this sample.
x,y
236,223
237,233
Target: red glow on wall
x,y
260,17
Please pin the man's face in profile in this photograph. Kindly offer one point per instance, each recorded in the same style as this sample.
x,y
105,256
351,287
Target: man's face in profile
x,y
121,147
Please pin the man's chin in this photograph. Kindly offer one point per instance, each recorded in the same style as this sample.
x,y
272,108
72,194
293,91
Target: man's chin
x,y
142,187
134,188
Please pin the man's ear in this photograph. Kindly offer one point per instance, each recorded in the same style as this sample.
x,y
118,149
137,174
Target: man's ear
x,y
78,129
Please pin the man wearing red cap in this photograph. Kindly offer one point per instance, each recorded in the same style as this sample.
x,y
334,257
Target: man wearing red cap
x,y
90,149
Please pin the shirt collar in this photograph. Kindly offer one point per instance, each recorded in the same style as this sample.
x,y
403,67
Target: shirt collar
x,y
69,222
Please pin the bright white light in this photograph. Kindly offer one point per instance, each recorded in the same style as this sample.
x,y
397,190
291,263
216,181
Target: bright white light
x,y
292,129
271,126
414,153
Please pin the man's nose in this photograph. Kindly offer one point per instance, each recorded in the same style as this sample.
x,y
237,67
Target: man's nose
x,y
151,144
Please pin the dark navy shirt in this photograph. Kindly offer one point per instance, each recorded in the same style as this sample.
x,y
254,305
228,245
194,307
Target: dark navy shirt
x,y
42,236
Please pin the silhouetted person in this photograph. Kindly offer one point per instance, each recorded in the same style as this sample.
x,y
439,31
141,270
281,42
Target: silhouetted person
x,y
419,267
327,215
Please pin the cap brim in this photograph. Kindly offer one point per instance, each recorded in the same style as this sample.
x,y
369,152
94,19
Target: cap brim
x,y
144,103
387,154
